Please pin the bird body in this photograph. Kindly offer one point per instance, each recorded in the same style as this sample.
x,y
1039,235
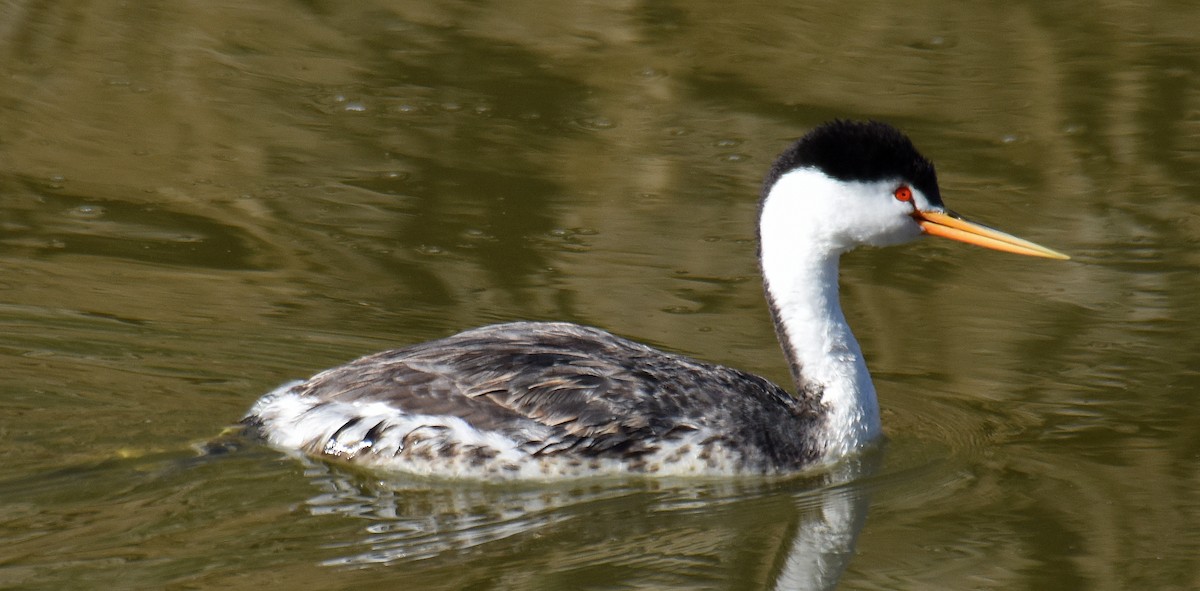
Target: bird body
x,y
530,400
542,400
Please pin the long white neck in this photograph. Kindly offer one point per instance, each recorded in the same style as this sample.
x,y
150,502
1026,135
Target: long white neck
x,y
800,275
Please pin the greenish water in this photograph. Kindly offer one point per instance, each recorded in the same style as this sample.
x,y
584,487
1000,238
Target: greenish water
x,y
199,202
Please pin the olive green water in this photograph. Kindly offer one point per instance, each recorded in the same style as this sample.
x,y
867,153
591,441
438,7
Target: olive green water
x,y
199,201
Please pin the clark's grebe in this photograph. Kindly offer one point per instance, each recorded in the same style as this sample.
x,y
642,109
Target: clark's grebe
x,y
558,400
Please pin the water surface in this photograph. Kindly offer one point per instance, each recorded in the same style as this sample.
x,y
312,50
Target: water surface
x,y
198,203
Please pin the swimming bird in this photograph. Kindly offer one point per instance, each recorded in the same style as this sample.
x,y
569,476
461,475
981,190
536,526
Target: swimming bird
x,y
544,400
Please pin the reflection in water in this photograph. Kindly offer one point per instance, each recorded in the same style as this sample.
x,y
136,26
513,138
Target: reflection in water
x,y
825,540
801,531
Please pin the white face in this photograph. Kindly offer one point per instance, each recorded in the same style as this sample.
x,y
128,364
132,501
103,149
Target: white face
x,y
837,216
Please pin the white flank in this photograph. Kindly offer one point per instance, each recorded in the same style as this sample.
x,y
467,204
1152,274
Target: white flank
x,y
449,447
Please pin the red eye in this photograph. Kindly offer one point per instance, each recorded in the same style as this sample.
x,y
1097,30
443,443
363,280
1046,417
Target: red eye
x,y
903,193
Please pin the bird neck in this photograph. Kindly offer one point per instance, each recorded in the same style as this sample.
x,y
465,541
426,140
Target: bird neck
x,y
800,278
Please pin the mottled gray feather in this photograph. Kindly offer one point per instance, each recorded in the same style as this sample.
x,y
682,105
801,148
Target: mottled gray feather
x,y
568,389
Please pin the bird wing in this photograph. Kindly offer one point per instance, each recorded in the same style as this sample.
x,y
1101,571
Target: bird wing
x,y
558,385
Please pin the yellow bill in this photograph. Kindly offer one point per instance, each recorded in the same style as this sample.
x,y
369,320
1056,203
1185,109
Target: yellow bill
x,y
948,224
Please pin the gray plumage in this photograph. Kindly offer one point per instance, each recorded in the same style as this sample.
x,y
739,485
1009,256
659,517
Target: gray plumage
x,y
563,393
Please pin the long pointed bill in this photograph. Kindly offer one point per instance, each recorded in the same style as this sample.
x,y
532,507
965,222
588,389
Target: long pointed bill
x,y
949,225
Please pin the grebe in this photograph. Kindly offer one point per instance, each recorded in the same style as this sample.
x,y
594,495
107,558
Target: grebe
x,y
547,400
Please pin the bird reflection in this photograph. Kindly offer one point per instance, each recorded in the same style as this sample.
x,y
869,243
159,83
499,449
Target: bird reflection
x,y
794,534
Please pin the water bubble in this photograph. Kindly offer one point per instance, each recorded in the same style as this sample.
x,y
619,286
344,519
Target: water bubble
x,y
933,42
87,212
596,123
678,310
